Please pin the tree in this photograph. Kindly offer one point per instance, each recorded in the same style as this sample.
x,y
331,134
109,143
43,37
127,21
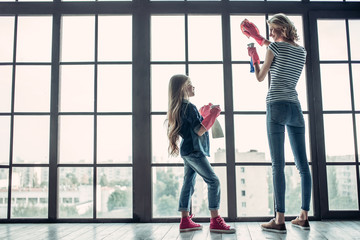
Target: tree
x,y
103,180
29,211
167,185
71,177
117,199
167,204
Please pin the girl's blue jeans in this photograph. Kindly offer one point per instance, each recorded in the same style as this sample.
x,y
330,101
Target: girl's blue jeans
x,y
279,115
196,163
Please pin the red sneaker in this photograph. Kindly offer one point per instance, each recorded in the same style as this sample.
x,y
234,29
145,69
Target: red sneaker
x,y
218,225
187,224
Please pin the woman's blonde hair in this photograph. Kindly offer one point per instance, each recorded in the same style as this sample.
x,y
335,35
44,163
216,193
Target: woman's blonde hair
x,y
287,28
177,92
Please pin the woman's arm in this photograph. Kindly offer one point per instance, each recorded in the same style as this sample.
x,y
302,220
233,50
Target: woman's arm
x,y
266,42
261,73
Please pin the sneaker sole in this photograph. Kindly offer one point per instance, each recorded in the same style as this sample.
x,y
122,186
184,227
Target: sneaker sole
x,y
301,227
273,230
190,229
222,231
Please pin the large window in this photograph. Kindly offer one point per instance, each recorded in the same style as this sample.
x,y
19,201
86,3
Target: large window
x,y
339,71
95,122
84,96
198,54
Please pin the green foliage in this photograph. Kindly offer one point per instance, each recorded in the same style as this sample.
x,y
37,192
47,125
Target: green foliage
x,y
22,211
168,183
123,183
167,204
166,197
68,211
117,199
103,180
69,179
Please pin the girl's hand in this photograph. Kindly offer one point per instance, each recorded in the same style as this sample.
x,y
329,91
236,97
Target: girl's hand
x,y
205,110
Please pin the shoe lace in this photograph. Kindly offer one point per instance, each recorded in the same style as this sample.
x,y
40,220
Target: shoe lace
x,y
190,218
221,222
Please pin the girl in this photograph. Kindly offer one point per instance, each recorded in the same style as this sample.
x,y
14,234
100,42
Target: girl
x,y
185,121
285,60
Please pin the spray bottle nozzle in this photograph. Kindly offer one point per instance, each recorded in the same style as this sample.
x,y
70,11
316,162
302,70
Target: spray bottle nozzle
x,y
251,44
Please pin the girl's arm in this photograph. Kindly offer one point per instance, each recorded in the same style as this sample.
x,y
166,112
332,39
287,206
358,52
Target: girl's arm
x,y
201,131
261,73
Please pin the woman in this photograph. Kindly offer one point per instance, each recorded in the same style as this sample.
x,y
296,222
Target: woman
x,y
285,60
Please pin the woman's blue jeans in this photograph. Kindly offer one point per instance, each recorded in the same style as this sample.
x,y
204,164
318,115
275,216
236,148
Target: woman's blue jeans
x,y
279,115
197,163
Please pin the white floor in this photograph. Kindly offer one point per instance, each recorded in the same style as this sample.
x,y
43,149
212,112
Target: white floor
x,y
170,231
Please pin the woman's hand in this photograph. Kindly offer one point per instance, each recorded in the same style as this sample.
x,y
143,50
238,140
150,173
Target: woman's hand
x,y
253,54
250,30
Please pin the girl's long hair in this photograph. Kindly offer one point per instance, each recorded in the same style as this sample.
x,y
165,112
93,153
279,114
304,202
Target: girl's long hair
x,y
287,28
177,92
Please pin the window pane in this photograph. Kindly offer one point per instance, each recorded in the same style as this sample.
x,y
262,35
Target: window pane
x,y
160,142
354,25
293,192
78,38
5,88
113,80
200,206
75,192
256,193
167,38
166,185
114,192
114,139
160,78
239,41
248,93
327,39
4,183
251,143
205,38
77,88
302,91
356,84
208,80
338,128
335,82
217,144
115,38
29,183
6,39
76,139
34,39
31,144
32,88
4,139
342,185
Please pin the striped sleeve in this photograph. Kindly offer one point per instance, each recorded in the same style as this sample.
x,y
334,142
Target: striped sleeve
x,y
274,48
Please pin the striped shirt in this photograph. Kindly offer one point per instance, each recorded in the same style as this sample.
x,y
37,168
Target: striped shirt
x,y
285,71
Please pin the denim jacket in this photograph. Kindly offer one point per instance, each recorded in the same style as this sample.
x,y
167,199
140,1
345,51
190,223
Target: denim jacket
x,y
190,125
